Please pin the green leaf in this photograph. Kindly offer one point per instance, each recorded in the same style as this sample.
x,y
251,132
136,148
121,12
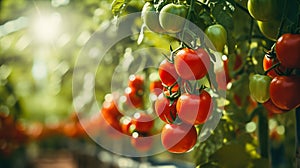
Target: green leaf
x,y
222,14
117,6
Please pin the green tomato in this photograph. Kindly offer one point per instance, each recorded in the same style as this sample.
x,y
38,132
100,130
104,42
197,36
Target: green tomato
x,y
151,18
172,17
266,10
269,29
259,87
218,36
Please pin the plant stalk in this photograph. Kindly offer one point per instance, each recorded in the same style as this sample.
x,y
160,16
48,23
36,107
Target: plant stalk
x,y
263,134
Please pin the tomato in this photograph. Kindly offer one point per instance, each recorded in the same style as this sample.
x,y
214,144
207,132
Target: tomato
x,y
111,113
167,73
151,18
269,29
266,10
172,17
136,82
156,87
272,108
218,36
259,87
284,92
142,122
141,143
126,122
178,138
268,63
191,64
165,109
288,50
134,98
194,109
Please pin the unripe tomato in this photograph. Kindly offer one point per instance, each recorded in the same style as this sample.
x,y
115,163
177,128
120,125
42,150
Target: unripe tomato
x,y
191,64
172,17
269,29
151,18
259,87
284,92
266,10
288,50
194,109
178,138
217,35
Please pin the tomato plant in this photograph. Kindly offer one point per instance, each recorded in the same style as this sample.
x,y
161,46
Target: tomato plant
x,y
269,29
178,138
272,108
194,109
191,64
268,62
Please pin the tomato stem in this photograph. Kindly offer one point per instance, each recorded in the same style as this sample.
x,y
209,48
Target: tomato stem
x,y
283,18
271,68
263,133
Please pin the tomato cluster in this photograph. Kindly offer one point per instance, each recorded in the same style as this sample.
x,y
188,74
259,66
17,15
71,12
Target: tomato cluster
x,y
139,127
279,91
181,105
163,21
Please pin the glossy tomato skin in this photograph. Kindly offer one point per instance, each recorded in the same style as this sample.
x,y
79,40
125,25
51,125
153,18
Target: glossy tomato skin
x,y
143,123
266,10
269,29
194,109
172,17
288,50
272,108
259,87
151,18
178,138
156,87
192,64
165,109
268,63
218,36
167,73
284,92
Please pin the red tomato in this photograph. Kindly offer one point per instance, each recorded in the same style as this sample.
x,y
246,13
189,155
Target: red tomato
x,y
111,113
178,138
194,109
141,143
136,82
268,63
142,122
165,110
284,92
156,87
272,108
288,50
126,122
191,64
134,98
167,73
